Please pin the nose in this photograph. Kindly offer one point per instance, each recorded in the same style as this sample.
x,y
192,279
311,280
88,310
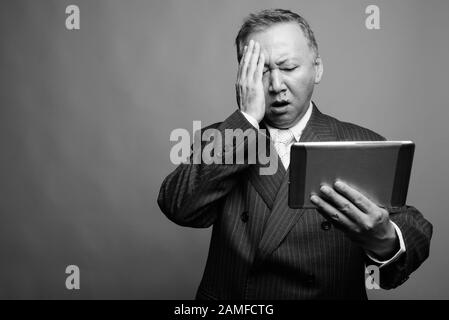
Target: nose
x,y
276,84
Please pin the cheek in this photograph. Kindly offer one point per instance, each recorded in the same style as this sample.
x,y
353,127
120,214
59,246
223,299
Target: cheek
x,y
300,84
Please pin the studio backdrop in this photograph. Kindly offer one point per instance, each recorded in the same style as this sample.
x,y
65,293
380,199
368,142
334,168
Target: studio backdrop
x,y
86,113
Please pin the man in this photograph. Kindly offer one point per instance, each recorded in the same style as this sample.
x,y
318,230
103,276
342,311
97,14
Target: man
x,y
260,248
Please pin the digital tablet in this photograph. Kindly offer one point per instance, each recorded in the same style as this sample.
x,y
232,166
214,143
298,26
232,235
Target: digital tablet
x,y
378,169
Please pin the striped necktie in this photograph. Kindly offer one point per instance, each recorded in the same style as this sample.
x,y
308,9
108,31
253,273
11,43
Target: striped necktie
x,y
282,140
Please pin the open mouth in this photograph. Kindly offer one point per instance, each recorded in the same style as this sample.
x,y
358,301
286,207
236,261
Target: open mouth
x,y
279,107
278,104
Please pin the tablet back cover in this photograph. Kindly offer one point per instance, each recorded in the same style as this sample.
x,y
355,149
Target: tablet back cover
x,y
380,170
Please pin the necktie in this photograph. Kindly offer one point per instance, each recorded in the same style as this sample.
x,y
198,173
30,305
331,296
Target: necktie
x,y
282,140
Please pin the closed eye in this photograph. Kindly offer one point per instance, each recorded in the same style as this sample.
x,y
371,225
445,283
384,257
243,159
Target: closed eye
x,y
289,69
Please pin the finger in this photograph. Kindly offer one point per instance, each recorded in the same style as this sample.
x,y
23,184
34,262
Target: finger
x,y
241,63
358,199
344,205
253,61
260,66
246,59
331,213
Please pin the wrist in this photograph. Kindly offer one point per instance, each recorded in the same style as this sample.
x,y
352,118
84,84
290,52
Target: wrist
x,y
256,116
251,118
388,245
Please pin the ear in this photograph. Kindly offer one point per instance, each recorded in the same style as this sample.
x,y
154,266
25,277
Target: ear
x,y
318,69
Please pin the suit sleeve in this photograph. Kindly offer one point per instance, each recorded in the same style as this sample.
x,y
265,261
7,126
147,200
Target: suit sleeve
x,y
416,232
191,194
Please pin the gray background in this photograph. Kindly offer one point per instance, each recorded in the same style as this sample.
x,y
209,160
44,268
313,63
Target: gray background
x,y
85,120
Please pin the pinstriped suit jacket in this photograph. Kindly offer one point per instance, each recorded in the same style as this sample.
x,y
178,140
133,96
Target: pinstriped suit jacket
x,y
262,249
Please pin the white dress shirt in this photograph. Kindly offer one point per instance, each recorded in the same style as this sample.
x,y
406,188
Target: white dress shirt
x,y
284,154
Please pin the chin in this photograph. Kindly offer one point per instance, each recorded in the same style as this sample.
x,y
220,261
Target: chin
x,y
280,121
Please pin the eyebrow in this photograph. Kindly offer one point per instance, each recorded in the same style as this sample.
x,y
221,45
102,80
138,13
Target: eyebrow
x,y
284,60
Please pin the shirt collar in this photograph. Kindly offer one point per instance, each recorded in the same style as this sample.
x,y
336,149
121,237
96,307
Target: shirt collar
x,y
298,128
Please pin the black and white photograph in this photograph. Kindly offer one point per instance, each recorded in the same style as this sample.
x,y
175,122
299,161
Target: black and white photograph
x,y
207,152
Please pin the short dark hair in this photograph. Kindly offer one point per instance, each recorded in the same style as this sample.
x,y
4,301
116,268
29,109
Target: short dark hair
x,y
260,21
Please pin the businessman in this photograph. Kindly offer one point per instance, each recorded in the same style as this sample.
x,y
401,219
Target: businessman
x,y
260,248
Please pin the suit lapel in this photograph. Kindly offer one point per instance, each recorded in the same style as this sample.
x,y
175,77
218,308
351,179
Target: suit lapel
x,y
319,128
282,217
267,185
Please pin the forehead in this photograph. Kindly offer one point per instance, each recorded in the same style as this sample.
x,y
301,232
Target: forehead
x,y
282,40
